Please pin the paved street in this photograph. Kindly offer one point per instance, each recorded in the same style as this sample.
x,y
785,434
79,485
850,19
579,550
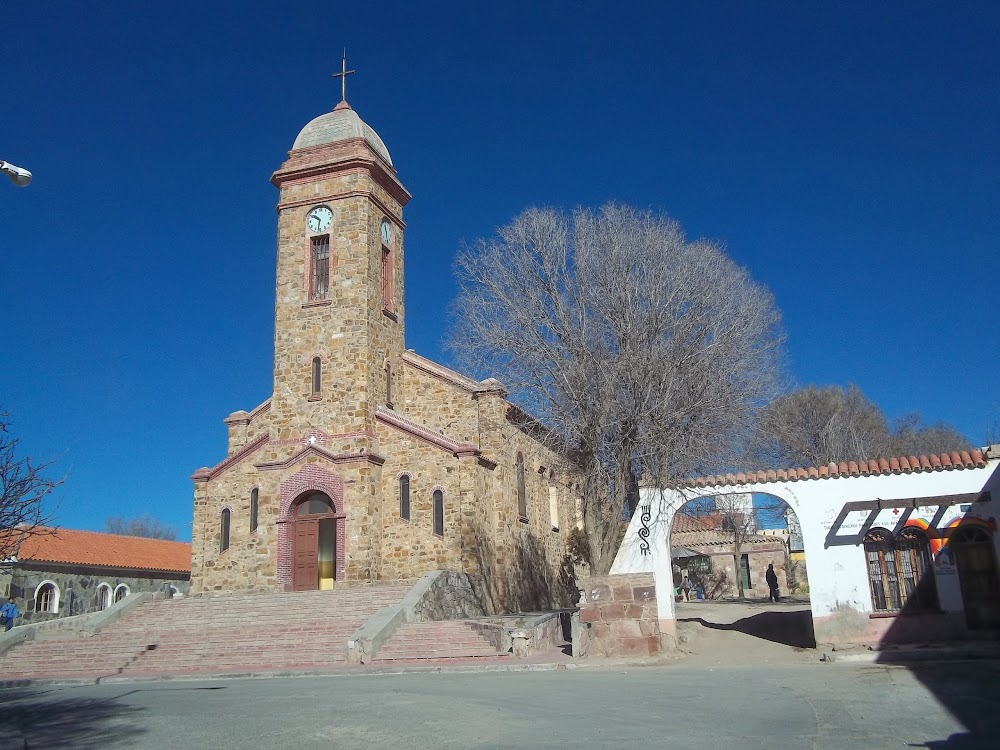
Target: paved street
x,y
816,705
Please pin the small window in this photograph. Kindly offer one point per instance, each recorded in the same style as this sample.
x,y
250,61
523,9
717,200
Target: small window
x,y
386,278
253,509
316,504
121,592
553,502
522,502
320,271
103,599
224,531
404,497
388,385
439,512
317,376
47,598
900,572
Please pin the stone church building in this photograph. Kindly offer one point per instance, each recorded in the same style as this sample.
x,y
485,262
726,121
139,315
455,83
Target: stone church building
x,y
369,462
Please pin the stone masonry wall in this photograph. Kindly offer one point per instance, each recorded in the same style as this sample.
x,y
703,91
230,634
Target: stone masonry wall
x,y
78,587
620,613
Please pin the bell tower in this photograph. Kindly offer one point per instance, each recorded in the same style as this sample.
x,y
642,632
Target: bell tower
x,y
338,311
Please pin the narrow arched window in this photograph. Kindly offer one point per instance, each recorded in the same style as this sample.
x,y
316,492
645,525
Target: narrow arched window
x,y
224,530
103,597
404,497
553,502
388,385
317,376
522,502
253,509
47,598
439,512
121,591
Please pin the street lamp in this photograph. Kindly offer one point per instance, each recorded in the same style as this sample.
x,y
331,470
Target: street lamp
x,y
18,175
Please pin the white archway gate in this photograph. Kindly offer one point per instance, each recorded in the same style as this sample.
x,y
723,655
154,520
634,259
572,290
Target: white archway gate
x,y
836,508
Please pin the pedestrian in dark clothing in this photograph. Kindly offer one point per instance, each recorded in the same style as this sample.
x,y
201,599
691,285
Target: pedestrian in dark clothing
x,y
772,584
687,588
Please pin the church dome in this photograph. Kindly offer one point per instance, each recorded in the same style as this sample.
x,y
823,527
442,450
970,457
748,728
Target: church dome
x,y
341,124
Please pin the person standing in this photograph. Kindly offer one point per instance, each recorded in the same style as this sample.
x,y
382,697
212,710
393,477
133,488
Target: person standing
x,y
8,613
687,588
772,584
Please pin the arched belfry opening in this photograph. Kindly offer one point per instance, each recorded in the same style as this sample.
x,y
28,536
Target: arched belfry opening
x,y
314,542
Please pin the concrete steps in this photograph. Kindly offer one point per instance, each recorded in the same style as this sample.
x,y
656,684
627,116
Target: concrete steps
x,y
452,639
240,632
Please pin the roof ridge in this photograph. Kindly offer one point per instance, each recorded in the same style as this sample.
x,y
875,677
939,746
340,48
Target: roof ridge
x,y
973,459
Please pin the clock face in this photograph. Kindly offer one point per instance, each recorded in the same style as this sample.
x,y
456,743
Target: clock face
x,y
319,219
386,232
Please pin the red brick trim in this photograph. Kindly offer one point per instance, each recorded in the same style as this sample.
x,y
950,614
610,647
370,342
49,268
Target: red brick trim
x,y
441,372
204,474
397,420
312,450
310,478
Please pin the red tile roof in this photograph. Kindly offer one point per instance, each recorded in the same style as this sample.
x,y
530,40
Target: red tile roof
x,y
73,547
683,523
973,459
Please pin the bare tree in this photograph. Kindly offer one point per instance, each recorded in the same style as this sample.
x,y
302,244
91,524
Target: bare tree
x,y
645,354
738,516
813,426
23,489
143,525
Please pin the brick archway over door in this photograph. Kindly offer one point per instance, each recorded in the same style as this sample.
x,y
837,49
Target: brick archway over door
x,y
311,477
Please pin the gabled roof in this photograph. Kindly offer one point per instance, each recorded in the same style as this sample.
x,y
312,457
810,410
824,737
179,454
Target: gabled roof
x,y
973,459
73,547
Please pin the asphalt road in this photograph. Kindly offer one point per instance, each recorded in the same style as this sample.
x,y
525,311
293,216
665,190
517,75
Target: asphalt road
x,y
951,705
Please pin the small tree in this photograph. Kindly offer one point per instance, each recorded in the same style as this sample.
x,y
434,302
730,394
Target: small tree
x,y
143,525
23,489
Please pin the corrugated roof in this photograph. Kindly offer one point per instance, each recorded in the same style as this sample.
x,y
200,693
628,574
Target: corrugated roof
x,y
973,459
73,547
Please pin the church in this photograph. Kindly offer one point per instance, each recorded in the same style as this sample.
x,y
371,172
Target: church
x,y
369,462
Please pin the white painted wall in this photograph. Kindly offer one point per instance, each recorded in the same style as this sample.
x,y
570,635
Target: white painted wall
x,y
837,572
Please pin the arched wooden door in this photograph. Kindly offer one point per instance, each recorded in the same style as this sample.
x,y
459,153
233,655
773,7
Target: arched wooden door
x,y
314,543
977,574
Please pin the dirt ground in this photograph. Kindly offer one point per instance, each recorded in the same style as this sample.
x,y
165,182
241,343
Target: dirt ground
x,y
738,633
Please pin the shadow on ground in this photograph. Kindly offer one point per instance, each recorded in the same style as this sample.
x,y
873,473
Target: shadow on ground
x,y
789,628
39,718
33,718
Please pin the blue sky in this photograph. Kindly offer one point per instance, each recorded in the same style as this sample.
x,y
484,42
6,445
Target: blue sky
x,y
846,154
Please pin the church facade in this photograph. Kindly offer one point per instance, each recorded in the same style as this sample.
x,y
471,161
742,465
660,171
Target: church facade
x,y
369,462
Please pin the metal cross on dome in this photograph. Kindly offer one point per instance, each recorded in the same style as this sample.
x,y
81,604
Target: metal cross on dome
x,y
342,75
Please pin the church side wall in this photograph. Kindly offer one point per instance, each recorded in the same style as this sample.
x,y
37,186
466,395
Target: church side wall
x,y
411,548
250,562
436,403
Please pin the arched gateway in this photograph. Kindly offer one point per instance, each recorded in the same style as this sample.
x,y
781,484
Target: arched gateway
x,y
838,506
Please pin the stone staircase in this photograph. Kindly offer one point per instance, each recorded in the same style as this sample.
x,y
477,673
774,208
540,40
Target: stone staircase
x,y
211,634
449,639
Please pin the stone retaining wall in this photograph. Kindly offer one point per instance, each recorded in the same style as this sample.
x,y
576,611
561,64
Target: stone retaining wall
x,y
618,616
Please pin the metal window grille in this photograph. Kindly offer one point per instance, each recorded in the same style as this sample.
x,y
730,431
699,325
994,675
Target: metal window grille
x,y
320,267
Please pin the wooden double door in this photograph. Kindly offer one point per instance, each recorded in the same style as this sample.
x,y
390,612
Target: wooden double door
x,y
314,543
976,559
